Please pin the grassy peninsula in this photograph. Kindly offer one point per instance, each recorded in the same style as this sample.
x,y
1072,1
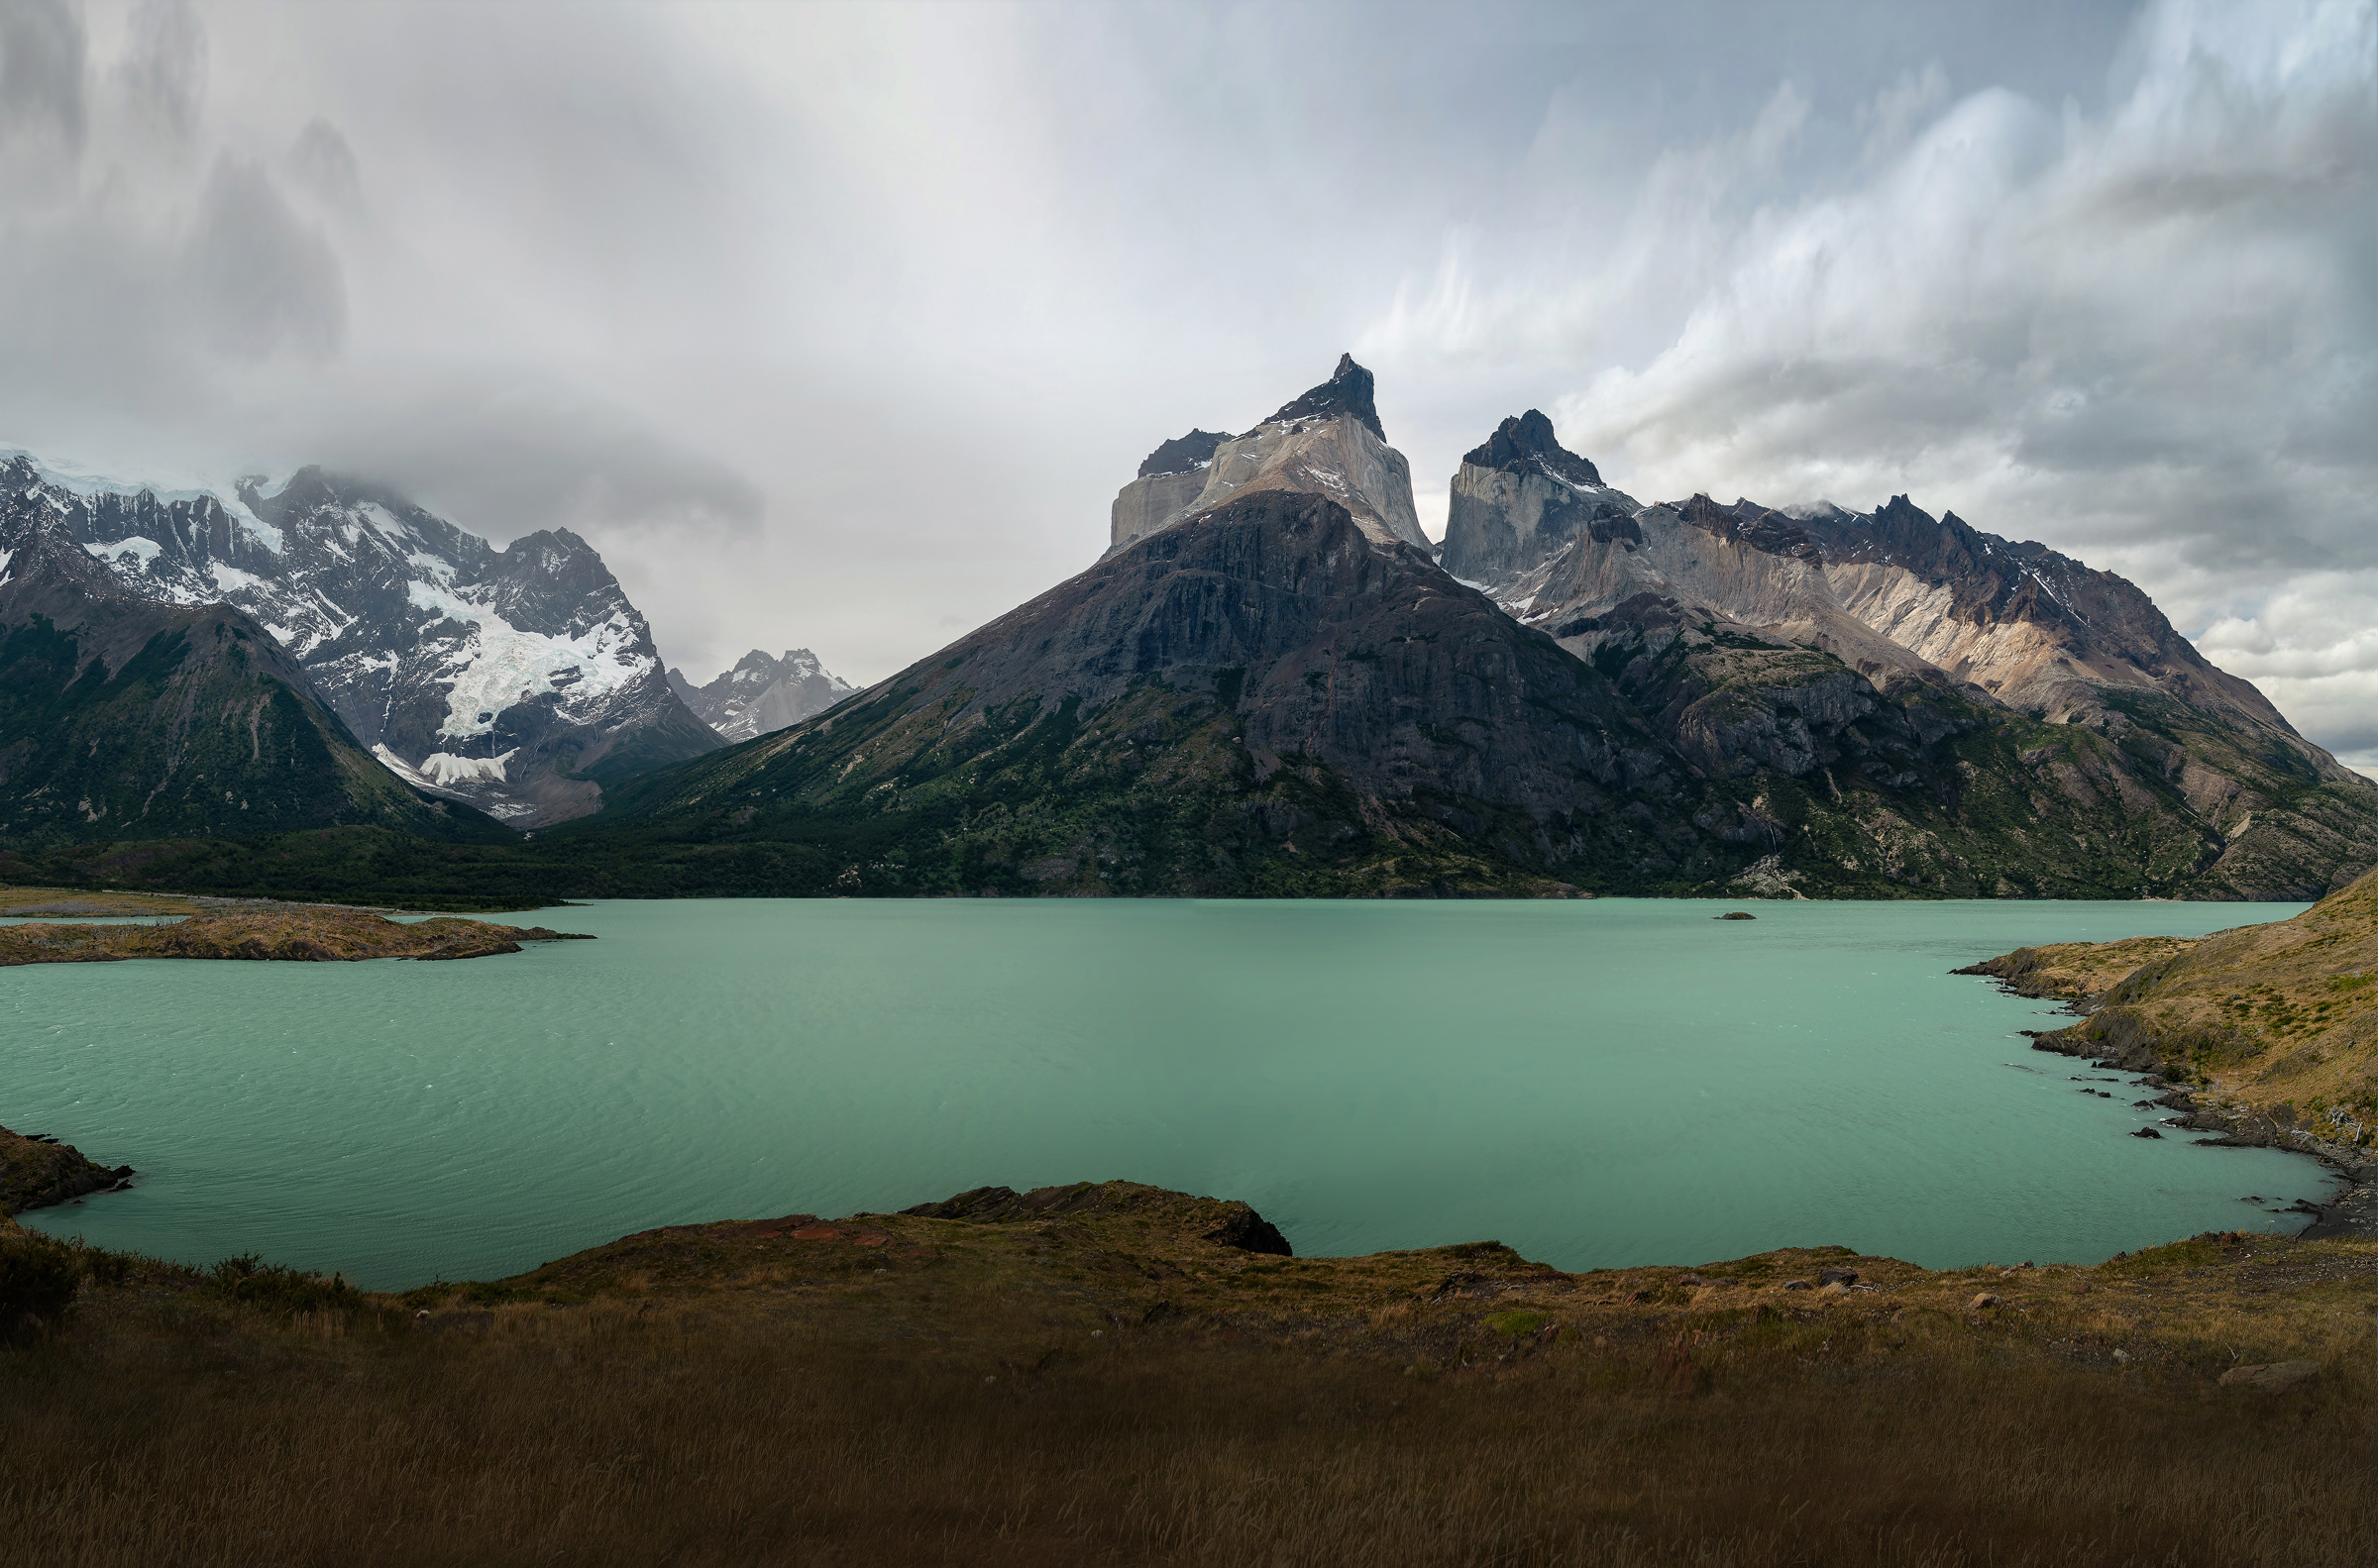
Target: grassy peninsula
x,y
1091,1374
287,932
2268,1032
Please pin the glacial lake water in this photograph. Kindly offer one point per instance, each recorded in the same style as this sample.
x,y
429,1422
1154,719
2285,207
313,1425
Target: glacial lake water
x,y
1604,1082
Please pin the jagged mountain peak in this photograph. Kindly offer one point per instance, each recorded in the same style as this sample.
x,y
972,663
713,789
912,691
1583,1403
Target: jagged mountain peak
x,y
1349,391
1327,442
761,692
1526,442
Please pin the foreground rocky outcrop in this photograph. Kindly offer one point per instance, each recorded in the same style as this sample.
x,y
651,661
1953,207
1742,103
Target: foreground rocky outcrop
x,y
2266,1034
288,933
36,1170
1233,1224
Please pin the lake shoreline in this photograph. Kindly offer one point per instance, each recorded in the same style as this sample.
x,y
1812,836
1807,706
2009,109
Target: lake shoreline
x,y
2351,1212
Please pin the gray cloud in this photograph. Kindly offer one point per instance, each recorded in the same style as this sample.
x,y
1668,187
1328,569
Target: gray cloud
x,y
265,280
321,164
43,117
838,325
2142,333
162,72
512,462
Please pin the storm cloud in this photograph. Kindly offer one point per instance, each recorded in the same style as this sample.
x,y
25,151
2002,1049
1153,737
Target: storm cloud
x,y
837,326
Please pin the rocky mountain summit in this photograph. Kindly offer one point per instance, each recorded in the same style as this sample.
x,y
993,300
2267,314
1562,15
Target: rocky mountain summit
x,y
1328,441
1265,696
761,695
1519,499
126,717
520,681
1763,639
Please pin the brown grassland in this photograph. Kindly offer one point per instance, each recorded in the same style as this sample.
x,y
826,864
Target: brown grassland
x,y
1091,1380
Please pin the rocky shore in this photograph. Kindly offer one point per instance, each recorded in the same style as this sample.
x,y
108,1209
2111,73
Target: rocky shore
x,y
36,1170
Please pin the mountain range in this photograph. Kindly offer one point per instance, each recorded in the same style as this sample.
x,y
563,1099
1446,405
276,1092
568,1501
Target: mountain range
x,y
1274,682
518,681
760,693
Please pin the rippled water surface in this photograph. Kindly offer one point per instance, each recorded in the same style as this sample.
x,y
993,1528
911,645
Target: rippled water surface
x,y
1596,1083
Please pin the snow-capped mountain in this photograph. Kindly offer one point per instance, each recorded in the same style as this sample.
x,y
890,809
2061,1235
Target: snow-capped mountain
x,y
761,694
519,680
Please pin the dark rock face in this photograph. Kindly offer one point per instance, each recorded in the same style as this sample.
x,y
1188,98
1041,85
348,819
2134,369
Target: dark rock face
x,y
1250,1232
1347,391
1521,499
38,1172
1980,696
1182,454
1747,523
1238,1225
1263,696
762,695
1524,444
520,681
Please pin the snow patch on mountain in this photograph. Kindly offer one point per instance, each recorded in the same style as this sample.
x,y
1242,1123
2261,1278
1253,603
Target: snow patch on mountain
x,y
141,550
507,666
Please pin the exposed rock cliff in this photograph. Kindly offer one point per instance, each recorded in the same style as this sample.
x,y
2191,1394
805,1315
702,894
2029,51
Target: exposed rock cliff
x,y
761,695
1278,693
521,679
1520,497
1329,442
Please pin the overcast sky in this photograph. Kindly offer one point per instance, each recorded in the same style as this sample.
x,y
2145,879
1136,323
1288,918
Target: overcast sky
x,y
838,325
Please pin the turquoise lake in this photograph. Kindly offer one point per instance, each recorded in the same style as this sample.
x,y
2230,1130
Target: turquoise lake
x,y
1604,1082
